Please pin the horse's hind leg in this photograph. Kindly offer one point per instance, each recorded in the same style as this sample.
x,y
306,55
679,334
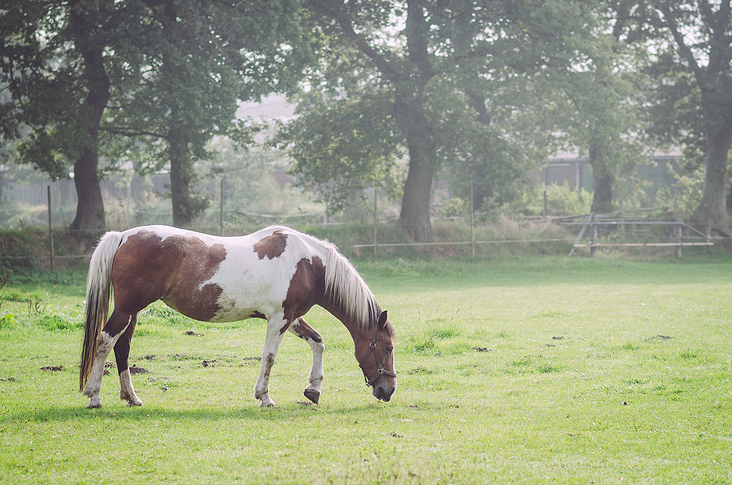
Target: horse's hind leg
x,y
302,329
106,340
122,353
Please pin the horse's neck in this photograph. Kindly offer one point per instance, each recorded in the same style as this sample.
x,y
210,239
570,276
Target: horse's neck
x,y
354,328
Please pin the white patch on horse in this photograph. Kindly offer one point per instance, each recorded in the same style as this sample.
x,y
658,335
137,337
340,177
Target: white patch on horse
x,y
126,390
317,373
261,390
252,285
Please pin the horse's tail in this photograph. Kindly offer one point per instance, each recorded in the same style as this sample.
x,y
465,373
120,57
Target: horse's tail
x,y
98,292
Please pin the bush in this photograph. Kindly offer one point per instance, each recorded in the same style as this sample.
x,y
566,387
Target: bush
x,y
17,250
561,200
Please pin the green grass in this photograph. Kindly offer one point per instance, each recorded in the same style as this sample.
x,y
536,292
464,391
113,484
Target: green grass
x,y
540,370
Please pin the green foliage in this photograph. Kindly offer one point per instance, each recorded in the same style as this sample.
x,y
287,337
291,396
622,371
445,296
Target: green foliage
x,y
55,323
561,200
7,320
255,182
692,99
683,197
16,251
343,146
158,83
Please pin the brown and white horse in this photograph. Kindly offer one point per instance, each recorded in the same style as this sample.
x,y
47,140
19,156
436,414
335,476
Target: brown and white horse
x,y
276,274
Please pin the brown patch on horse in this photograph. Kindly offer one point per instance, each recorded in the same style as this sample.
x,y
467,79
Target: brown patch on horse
x,y
307,287
306,332
271,246
149,268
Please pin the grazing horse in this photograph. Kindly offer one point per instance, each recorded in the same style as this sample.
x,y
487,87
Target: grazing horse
x,y
276,274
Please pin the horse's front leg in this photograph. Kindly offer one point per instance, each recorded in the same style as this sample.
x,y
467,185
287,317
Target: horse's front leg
x,y
276,327
106,340
302,329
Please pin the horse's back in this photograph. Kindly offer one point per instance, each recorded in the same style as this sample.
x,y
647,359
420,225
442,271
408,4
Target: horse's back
x,y
209,277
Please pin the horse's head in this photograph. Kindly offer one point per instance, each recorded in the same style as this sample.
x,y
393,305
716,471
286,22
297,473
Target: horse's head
x,y
376,359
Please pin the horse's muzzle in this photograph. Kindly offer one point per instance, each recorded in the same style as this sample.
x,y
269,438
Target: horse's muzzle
x,y
383,392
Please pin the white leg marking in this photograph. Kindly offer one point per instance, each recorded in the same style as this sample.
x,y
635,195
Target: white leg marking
x,y
127,391
316,371
105,344
315,379
271,347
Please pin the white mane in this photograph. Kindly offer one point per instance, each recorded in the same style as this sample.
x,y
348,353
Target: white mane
x,y
348,290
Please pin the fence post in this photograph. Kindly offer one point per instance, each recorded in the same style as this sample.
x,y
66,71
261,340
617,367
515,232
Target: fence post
x,y
376,223
50,230
472,221
221,209
593,235
677,235
546,205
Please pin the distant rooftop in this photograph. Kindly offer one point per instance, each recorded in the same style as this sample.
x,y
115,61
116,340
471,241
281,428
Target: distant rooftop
x,y
271,107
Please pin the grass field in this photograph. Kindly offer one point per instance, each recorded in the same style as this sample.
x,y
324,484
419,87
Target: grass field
x,y
538,370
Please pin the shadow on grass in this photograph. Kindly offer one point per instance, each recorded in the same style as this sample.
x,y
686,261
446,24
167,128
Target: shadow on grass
x,y
253,413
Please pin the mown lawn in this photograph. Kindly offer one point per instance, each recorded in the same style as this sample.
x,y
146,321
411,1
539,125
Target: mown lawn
x,y
538,370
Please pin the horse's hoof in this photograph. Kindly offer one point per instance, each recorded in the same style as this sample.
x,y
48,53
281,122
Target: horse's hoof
x,y
313,395
94,405
269,404
130,404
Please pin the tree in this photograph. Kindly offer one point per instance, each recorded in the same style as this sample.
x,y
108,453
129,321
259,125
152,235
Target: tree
x,y
465,87
393,81
599,111
433,69
54,69
694,65
86,75
196,60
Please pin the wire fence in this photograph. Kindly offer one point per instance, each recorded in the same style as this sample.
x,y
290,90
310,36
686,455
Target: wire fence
x,y
631,229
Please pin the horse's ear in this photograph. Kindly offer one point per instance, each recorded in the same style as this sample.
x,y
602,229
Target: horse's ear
x,y
382,319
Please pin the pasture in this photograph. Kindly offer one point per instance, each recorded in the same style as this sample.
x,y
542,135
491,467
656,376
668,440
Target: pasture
x,y
534,370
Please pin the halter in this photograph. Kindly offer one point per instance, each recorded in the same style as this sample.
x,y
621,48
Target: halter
x,y
379,367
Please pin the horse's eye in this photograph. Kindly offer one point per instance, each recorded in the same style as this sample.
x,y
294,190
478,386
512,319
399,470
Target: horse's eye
x,y
390,349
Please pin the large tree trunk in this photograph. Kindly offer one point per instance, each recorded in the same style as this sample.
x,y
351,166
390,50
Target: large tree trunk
x,y
179,179
409,81
602,200
409,87
185,205
90,205
415,212
711,215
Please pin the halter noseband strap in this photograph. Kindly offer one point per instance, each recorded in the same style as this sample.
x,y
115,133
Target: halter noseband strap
x,y
379,367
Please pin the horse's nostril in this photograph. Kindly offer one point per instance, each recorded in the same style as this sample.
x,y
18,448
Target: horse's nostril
x,y
382,394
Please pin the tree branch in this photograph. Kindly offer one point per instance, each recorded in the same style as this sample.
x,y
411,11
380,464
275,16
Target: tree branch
x,y
418,38
129,132
685,50
719,51
338,14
